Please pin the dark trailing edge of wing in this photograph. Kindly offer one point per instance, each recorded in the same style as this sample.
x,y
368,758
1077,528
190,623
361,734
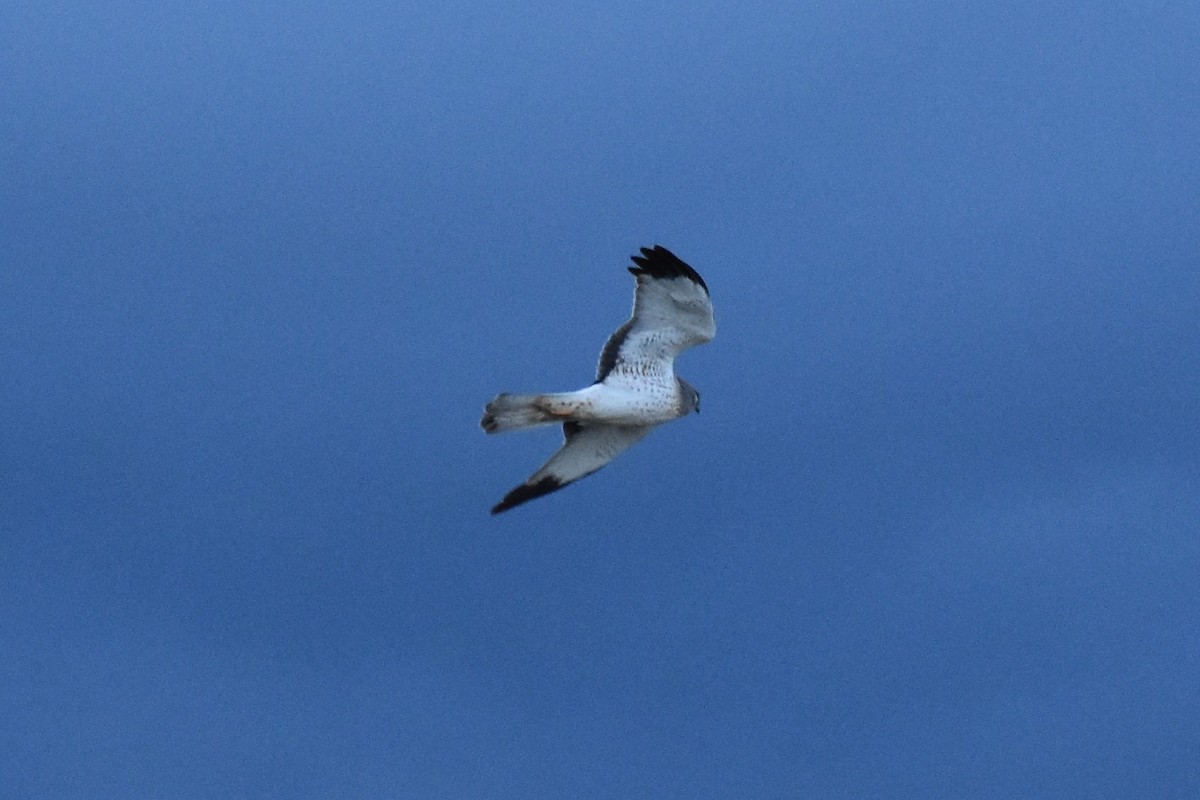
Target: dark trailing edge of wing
x,y
659,262
528,491
608,356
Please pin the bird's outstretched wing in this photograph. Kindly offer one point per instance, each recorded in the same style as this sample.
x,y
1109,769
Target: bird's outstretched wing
x,y
671,312
587,448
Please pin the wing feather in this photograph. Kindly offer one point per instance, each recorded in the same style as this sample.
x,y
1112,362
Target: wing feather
x,y
671,312
659,262
611,351
587,448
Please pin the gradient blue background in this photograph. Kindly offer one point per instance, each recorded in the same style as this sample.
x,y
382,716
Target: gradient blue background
x,y
935,535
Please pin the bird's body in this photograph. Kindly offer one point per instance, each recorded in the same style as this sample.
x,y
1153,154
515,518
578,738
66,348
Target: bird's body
x,y
635,389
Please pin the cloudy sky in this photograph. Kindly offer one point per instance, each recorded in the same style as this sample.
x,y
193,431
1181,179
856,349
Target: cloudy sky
x,y
936,533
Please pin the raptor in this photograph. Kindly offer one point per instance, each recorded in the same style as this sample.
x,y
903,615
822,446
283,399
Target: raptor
x,y
636,388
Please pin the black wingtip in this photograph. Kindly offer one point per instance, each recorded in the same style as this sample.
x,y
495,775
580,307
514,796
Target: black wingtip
x,y
526,492
659,262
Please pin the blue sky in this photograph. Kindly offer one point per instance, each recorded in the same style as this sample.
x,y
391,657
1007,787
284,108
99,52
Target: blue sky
x,y
935,534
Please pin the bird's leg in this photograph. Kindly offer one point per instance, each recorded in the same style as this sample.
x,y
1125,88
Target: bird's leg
x,y
558,407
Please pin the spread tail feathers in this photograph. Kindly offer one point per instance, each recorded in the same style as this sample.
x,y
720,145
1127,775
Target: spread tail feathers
x,y
514,412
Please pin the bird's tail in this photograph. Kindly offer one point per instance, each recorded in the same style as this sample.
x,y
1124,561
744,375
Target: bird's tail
x,y
514,412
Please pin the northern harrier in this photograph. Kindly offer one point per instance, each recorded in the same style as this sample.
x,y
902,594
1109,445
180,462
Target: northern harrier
x,y
636,387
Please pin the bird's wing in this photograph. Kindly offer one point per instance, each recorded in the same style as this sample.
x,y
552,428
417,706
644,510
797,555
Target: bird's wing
x,y
587,448
671,312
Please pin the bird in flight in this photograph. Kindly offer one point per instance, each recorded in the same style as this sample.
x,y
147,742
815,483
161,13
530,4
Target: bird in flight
x,y
636,388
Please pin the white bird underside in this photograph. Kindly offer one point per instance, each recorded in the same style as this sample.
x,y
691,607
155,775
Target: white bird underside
x,y
636,387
